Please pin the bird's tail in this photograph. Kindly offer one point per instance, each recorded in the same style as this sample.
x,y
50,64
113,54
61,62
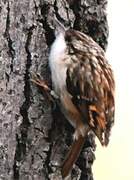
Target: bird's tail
x,y
72,155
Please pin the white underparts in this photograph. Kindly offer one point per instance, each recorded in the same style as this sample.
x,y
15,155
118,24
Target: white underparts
x,y
57,63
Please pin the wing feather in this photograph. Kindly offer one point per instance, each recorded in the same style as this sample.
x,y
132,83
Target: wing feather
x,y
90,80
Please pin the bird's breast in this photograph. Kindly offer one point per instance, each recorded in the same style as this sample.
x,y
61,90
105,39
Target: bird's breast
x,y
57,63
58,72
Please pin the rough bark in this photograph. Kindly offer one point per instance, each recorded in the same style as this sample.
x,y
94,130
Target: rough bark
x,y
34,135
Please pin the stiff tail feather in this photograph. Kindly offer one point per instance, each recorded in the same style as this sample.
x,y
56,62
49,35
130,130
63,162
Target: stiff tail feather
x,y
72,155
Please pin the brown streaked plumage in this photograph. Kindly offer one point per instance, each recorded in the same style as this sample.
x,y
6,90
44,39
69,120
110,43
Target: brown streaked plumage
x,y
83,80
90,83
89,77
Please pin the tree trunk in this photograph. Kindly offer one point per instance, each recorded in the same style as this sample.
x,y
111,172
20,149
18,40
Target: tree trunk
x,y
34,135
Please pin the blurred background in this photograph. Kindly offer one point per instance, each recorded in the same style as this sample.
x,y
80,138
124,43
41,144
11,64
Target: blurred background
x,y
116,162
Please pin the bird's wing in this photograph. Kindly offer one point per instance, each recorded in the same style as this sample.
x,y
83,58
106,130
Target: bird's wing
x,y
90,82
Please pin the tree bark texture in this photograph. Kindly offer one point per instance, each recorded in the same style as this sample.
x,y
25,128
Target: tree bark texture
x,y
34,135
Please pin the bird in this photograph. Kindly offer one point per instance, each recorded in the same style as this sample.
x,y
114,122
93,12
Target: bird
x,y
83,81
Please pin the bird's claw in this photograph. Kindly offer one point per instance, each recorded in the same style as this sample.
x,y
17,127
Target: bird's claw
x,y
36,78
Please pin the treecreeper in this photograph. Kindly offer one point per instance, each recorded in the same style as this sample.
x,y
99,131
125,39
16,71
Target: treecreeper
x,y
83,82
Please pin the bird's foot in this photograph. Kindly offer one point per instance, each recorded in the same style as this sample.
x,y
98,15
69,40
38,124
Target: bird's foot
x,y
36,78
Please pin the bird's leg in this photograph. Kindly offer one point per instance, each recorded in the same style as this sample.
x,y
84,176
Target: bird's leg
x,y
41,83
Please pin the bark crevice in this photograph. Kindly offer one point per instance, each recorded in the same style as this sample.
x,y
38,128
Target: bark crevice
x,y
11,50
49,32
21,138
